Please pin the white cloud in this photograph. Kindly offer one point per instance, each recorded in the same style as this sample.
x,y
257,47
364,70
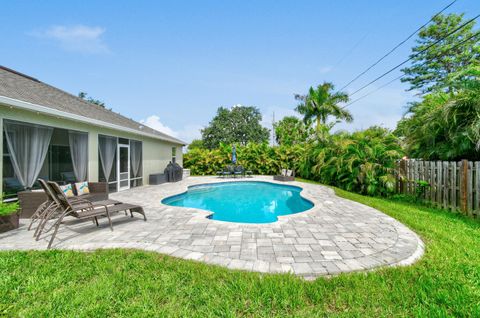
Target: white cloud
x,y
78,38
155,123
187,133
326,69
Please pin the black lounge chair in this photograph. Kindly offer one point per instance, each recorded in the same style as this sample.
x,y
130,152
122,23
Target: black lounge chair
x,y
238,171
227,171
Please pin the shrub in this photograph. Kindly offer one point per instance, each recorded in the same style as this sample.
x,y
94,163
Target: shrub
x,y
362,161
8,208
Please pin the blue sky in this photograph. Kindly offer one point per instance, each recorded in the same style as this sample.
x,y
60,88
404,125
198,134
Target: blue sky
x,y
171,64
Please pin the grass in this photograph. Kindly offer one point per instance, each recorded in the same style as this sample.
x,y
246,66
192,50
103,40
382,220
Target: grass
x,y
445,282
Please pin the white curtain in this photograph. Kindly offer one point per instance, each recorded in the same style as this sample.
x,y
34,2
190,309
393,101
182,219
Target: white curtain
x,y
135,157
107,148
79,151
28,147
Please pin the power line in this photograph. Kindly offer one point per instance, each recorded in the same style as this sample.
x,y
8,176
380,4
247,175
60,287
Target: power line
x,y
350,51
374,91
397,78
397,46
415,55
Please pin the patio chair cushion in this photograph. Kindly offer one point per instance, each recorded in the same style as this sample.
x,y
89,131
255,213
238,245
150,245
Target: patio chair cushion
x,y
82,188
67,190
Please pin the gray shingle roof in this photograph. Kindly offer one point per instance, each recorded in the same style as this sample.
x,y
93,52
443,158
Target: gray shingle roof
x,y
28,89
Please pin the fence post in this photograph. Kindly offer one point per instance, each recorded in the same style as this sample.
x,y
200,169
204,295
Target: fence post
x,y
453,165
464,185
476,206
470,188
402,175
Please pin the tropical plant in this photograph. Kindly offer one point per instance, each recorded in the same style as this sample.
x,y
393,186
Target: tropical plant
x,y
446,126
320,103
362,161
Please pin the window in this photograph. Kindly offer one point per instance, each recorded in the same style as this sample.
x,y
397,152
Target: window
x,y
107,158
136,171
174,154
11,185
57,165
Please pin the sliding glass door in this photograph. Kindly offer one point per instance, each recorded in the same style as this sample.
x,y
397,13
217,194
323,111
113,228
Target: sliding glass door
x,y
123,167
121,162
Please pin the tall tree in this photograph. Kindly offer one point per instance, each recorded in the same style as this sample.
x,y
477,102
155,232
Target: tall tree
x,y
239,124
291,130
195,144
431,68
322,102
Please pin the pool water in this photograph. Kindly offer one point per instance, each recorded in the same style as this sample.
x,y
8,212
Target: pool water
x,y
244,201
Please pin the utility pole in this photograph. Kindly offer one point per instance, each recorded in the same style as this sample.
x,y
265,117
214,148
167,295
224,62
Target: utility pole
x,y
273,129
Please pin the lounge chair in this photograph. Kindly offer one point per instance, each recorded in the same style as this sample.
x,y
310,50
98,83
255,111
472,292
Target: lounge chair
x,y
45,208
227,171
238,171
31,200
55,208
285,175
84,209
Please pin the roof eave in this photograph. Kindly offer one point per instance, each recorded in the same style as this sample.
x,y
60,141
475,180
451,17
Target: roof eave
x,y
58,113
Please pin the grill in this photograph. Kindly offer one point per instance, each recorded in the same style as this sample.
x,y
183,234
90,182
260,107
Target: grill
x,y
173,172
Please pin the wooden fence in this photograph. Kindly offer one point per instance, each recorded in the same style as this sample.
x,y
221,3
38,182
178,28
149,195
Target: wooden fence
x,y
451,185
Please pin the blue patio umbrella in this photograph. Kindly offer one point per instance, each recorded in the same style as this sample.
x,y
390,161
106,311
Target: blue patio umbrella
x,y
234,155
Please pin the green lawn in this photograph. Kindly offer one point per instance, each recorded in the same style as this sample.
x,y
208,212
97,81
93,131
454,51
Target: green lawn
x,y
445,282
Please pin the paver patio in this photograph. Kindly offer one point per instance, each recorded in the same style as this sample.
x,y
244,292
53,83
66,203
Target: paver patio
x,y
336,235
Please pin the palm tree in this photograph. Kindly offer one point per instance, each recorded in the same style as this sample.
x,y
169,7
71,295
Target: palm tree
x,y
322,102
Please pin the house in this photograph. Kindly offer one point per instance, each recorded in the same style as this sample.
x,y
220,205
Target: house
x,y
51,134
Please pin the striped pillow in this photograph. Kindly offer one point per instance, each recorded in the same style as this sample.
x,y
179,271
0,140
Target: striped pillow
x,y
67,190
82,188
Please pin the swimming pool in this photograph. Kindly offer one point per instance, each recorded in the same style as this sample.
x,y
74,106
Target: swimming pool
x,y
244,201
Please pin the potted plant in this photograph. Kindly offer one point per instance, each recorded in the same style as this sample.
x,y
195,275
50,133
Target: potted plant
x,y
9,216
